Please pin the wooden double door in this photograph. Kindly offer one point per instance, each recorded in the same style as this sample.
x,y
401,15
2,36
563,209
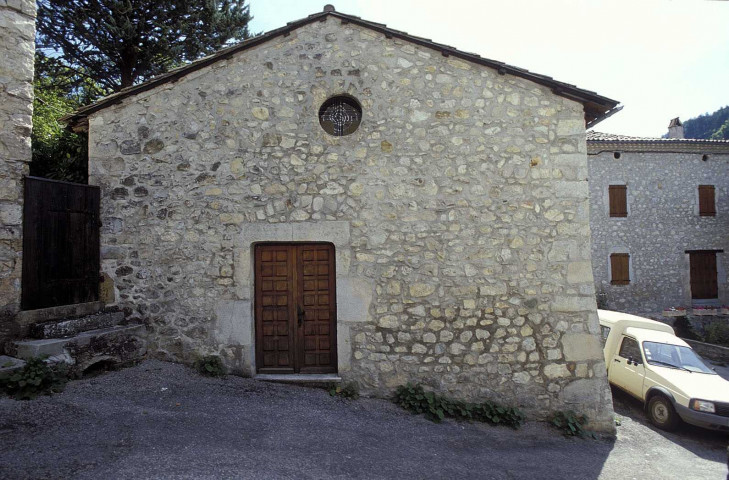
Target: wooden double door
x,y
704,283
295,308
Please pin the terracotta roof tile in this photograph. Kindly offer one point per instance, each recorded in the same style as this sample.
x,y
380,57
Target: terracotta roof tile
x,y
593,136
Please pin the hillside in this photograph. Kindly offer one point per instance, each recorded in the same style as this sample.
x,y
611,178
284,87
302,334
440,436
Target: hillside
x,y
713,126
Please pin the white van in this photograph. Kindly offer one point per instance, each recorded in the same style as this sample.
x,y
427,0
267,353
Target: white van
x,y
645,359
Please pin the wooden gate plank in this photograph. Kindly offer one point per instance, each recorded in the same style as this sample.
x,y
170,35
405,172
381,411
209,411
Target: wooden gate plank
x,y
61,261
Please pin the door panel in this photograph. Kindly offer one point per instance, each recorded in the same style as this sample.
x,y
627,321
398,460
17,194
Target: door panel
x,y
317,300
274,301
625,375
704,283
295,308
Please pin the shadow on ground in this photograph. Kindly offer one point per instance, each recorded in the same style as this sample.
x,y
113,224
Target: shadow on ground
x,y
708,444
161,420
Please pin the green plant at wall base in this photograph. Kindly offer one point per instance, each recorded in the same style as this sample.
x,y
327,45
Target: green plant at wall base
x,y
415,399
349,390
210,366
35,378
571,424
718,333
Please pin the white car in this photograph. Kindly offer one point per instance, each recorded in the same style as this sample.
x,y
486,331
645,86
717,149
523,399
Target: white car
x,y
645,359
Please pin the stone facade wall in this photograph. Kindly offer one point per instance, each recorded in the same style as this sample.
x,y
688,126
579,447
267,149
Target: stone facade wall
x,y
17,48
458,210
663,222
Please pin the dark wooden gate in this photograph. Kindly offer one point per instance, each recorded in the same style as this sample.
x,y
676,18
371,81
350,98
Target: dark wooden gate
x,y
704,283
60,243
295,308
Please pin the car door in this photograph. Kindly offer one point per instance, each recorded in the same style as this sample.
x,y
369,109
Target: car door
x,y
627,369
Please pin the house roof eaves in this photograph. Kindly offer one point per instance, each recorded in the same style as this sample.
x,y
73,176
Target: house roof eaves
x,y
597,107
598,142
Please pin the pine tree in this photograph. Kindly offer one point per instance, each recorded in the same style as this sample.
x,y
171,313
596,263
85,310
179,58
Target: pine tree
x,y
117,43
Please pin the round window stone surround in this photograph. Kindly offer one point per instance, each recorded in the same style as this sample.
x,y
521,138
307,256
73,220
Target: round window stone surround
x,y
340,115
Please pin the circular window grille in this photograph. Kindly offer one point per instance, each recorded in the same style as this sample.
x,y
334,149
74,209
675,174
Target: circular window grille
x,y
340,116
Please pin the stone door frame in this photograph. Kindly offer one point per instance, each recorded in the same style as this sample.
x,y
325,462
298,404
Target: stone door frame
x,y
353,295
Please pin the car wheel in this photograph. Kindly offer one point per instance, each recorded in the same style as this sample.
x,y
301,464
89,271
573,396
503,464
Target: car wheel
x,y
662,414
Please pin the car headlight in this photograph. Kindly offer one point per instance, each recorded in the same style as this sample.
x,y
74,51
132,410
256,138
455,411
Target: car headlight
x,y
702,406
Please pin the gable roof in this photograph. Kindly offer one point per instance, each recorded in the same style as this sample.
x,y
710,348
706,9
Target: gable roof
x,y
596,106
598,142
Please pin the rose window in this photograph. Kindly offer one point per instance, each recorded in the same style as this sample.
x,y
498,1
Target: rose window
x,y
340,116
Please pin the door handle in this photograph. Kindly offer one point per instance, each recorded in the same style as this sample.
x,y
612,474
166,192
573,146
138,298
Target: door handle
x,y
300,314
616,360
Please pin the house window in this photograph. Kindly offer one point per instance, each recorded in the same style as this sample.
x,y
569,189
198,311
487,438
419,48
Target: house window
x,y
619,268
707,205
618,195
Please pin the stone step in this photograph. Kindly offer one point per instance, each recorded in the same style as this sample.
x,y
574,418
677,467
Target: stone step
x,y
74,326
120,344
9,365
58,313
322,380
25,319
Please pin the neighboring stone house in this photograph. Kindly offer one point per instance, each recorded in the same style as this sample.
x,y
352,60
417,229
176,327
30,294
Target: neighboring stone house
x,y
659,216
338,197
17,47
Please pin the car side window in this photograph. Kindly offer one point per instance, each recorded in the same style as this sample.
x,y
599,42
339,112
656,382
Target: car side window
x,y
630,349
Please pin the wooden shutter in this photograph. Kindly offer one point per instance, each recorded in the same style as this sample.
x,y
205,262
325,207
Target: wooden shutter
x,y
707,207
619,267
618,195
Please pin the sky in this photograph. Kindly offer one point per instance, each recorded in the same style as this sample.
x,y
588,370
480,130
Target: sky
x,y
659,58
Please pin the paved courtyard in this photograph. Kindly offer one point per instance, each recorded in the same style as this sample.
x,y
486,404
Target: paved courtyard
x,y
162,420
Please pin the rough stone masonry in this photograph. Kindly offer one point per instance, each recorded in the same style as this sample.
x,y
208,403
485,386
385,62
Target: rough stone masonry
x,y
662,178
17,48
458,212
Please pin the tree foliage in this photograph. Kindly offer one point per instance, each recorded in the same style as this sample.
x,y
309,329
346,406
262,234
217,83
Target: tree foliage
x,y
714,126
90,48
118,43
58,153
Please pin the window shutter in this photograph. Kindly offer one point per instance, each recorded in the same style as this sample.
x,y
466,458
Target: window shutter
x,y
707,207
618,200
619,267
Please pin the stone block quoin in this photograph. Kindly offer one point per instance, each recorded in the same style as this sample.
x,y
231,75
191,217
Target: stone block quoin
x,y
17,49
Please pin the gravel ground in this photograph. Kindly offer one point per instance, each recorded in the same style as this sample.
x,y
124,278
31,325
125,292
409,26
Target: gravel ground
x,y
162,420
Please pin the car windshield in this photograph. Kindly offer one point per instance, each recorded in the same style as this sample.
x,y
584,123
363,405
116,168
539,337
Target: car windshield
x,y
674,356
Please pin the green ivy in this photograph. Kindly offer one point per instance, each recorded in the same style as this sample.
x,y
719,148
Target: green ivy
x,y
415,399
210,366
349,390
35,378
718,334
571,424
